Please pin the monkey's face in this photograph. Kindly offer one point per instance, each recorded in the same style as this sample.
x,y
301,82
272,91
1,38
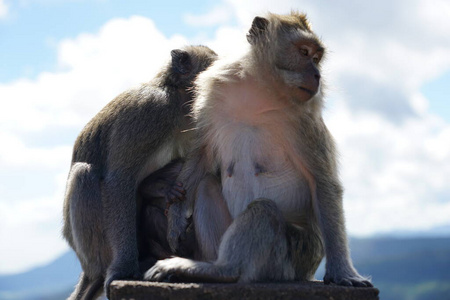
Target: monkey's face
x,y
293,50
298,62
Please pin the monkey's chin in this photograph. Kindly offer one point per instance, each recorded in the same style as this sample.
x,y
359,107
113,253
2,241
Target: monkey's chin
x,y
306,94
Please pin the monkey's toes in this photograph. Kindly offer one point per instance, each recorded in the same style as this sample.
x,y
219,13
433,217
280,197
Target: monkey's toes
x,y
161,275
356,281
154,274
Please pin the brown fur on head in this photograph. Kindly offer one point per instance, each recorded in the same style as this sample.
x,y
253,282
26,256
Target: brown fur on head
x,y
263,29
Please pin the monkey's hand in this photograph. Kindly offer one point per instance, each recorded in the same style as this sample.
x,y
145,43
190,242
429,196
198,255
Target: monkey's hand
x,y
346,276
169,270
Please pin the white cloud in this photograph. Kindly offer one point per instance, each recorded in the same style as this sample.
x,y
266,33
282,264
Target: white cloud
x,y
16,154
30,232
3,9
396,175
93,69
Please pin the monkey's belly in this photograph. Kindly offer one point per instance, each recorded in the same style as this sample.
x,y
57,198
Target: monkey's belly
x,y
281,183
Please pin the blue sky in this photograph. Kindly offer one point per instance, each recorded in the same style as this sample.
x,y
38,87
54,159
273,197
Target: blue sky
x,y
32,28
387,72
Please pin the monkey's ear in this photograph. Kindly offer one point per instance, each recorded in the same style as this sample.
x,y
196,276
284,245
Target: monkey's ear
x,y
259,25
181,61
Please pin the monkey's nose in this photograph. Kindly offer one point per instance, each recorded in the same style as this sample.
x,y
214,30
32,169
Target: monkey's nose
x,y
317,77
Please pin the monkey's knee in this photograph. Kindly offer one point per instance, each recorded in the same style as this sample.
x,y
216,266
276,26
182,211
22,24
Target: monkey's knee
x,y
74,185
259,233
83,195
306,250
265,207
84,219
263,204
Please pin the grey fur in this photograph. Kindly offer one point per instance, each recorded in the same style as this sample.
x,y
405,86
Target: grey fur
x,y
134,135
264,110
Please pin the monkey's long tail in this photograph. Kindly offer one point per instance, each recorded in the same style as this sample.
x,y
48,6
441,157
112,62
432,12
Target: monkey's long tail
x,y
87,289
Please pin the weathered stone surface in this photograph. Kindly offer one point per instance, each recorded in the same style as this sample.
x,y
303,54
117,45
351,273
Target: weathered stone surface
x,y
139,290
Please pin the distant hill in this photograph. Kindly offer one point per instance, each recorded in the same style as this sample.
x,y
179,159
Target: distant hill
x,y
53,281
402,268
406,268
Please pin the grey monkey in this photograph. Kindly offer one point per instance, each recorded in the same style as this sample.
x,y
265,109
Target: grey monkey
x,y
262,178
137,133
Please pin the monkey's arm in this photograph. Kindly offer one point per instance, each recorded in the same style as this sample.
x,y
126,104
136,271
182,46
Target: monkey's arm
x,y
193,171
328,206
162,183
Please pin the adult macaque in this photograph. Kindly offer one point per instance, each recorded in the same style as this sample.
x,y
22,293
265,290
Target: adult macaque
x,y
262,180
137,133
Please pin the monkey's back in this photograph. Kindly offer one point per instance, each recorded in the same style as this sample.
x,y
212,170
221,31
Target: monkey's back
x,y
140,118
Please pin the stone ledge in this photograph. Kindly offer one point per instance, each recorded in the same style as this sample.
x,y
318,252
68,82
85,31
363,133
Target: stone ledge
x,y
140,290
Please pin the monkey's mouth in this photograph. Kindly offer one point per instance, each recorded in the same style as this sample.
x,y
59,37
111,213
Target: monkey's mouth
x,y
310,92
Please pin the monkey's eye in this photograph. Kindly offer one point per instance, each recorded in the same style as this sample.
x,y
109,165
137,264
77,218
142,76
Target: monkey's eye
x,y
304,52
316,60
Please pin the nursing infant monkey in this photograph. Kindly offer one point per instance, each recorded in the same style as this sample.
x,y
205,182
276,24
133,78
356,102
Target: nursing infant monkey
x,y
262,178
135,135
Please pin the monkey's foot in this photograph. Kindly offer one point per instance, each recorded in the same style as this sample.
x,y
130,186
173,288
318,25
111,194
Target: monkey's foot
x,y
347,279
168,270
122,274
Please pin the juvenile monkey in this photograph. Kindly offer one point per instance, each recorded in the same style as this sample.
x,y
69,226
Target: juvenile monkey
x,y
134,135
152,226
262,180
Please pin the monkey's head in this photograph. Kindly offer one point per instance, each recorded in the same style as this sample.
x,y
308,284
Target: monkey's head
x,y
187,63
290,50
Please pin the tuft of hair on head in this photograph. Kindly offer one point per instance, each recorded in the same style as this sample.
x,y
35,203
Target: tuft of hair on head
x,y
294,19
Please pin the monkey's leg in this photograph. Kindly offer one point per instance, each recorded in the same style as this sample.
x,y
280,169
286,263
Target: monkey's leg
x,y
329,209
254,248
119,201
211,217
84,230
256,244
306,250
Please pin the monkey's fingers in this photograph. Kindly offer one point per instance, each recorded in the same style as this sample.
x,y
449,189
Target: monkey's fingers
x,y
164,270
176,194
356,282
368,283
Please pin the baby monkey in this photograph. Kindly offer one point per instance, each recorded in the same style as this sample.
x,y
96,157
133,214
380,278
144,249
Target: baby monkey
x,y
262,178
156,191
137,133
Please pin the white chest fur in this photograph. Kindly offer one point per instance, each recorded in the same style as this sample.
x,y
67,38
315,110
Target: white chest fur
x,y
255,165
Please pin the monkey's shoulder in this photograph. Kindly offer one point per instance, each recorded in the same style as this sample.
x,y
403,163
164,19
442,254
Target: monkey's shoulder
x,y
221,72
